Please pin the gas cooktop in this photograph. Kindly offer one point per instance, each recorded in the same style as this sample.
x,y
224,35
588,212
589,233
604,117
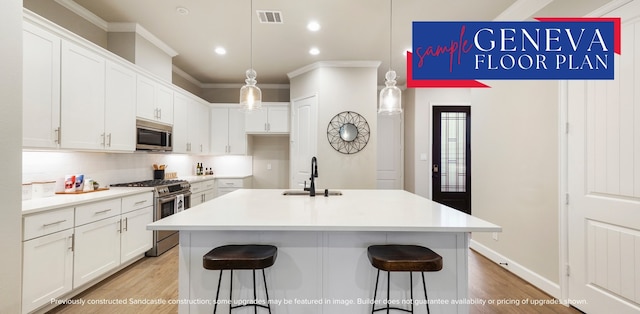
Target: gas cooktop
x,y
151,183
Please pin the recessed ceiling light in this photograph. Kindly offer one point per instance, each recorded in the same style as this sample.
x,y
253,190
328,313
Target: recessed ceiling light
x,y
182,10
314,51
313,26
221,51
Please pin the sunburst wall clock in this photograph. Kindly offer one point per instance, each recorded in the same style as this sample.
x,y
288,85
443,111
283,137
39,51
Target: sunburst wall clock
x,y
348,132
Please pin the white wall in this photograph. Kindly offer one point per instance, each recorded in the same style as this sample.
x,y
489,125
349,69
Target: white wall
x,y
107,168
418,104
515,171
153,59
514,164
342,86
347,89
11,143
270,161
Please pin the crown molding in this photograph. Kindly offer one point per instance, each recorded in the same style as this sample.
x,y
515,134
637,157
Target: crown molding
x,y
522,10
186,76
194,81
238,85
84,13
116,27
333,64
144,33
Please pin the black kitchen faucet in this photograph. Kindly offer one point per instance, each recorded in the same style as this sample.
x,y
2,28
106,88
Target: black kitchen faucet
x,y
314,174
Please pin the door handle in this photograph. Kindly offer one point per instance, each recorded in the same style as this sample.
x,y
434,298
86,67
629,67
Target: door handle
x,y
435,168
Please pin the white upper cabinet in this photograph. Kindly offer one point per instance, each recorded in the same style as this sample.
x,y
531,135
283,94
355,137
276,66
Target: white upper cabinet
x,y
154,101
97,102
82,98
180,135
120,108
190,125
273,118
228,135
199,127
40,88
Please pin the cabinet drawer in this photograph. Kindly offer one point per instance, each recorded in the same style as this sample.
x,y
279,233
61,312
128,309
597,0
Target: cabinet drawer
x,y
98,210
230,183
130,203
208,185
45,223
196,187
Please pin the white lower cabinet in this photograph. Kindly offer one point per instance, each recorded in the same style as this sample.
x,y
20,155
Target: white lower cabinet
x,y
66,249
226,186
47,269
202,192
97,249
135,239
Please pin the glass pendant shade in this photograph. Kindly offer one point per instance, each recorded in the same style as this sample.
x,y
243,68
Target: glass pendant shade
x,y
250,94
390,96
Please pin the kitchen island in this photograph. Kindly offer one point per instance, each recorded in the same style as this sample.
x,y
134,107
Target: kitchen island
x,y
322,264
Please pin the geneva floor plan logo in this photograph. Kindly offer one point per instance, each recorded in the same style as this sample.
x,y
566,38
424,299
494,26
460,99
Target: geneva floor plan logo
x,y
456,54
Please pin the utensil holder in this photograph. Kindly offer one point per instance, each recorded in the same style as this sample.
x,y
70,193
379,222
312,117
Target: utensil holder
x,y
158,174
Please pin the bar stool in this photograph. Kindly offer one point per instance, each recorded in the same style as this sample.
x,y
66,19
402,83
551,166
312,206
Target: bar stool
x,y
403,258
250,256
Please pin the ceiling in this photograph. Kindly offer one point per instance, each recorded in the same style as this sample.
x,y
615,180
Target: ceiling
x,y
350,30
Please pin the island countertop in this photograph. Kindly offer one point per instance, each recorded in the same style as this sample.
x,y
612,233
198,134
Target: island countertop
x,y
355,210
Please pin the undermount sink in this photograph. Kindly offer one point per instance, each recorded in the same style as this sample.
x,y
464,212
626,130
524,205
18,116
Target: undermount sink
x,y
306,193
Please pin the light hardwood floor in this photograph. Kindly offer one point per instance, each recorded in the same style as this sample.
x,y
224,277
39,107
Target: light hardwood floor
x,y
156,278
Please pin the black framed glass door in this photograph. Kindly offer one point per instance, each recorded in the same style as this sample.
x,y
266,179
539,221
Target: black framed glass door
x,y
451,169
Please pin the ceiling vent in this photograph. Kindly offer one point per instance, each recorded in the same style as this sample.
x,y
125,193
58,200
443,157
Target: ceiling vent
x,y
270,17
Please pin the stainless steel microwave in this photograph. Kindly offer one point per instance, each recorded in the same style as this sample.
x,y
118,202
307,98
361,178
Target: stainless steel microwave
x,y
153,136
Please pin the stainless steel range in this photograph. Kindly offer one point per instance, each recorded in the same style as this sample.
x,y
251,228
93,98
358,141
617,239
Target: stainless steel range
x,y
167,195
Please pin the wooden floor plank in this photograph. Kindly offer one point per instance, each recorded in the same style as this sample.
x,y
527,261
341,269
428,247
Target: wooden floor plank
x,y
156,278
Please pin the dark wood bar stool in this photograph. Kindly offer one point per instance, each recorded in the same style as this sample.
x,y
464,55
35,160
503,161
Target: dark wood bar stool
x,y
247,257
403,258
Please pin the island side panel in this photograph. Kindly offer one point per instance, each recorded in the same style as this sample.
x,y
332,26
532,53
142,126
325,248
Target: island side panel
x,y
184,269
294,278
349,278
322,272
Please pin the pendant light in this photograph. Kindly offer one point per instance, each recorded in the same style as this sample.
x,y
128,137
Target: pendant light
x,y
250,94
390,101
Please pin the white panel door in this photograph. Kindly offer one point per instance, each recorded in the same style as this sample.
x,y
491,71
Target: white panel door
x,y
237,135
97,249
604,181
304,139
390,140
120,108
82,98
40,87
47,269
136,239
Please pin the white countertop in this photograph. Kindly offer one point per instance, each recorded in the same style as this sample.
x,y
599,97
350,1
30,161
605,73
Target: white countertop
x,y
69,200
193,179
355,210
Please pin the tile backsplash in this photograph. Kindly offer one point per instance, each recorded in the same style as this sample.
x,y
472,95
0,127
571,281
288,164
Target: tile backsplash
x,y
110,168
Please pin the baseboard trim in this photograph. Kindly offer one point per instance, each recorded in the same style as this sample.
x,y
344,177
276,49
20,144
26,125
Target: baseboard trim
x,y
526,274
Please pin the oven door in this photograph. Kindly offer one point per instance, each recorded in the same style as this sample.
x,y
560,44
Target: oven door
x,y
166,207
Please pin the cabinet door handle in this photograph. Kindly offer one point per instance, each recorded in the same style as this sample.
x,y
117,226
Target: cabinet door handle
x,y
160,113
268,126
119,226
73,242
57,131
103,139
139,202
54,223
102,211
109,140
126,223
